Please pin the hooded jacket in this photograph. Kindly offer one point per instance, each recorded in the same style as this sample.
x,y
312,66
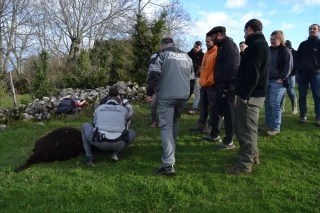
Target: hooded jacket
x,y
207,67
253,74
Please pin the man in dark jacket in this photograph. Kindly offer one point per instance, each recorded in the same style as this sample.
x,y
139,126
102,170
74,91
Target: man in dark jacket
x,y
225,70
251,89
196,55
308,62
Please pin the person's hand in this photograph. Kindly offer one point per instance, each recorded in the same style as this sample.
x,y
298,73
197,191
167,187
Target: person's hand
x,y
244,101
225,90
280,81
149,99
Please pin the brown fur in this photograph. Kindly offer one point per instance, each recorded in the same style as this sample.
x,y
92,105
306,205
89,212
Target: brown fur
x,y
60,144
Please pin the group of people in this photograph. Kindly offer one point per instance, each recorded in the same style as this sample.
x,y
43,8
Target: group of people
x,y
234,86
231,87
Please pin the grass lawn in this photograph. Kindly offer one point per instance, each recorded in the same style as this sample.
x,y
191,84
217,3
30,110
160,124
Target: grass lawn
x,y
287,180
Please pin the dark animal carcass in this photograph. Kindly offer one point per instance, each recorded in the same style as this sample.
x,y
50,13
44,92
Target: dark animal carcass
x,y
60,144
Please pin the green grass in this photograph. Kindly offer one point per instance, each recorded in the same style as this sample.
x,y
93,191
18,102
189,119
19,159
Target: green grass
x,y
7,102
286,181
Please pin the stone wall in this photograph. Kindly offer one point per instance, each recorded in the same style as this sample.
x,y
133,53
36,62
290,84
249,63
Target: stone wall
x,y
44,109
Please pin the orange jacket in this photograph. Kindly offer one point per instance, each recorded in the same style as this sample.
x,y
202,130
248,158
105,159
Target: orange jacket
x,y
207,67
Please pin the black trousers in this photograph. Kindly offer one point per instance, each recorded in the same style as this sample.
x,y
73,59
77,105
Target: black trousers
x,y
223,104
206,101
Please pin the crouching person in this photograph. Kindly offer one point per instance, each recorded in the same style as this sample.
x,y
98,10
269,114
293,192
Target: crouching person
x,y
109,129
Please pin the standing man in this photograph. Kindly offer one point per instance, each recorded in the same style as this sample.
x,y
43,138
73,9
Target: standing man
x,y
308,62
171,75
225,70
242,46
292,82
196,55
208,88
251,89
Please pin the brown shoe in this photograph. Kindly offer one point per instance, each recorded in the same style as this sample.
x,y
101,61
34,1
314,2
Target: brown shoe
x,y
236,171
272,132
198,127
255,160
206,130
154,125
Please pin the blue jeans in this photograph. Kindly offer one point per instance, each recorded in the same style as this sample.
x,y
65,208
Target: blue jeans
x,y
304,81
272,105
196,92
290,89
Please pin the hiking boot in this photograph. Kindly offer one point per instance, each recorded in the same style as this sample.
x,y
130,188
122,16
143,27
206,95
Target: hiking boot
x,y
223,146
318,122
116,156
198,127
153,125
88,160
169,170
237,171
255,160
206,130
303,120
193,111
211,139
273,132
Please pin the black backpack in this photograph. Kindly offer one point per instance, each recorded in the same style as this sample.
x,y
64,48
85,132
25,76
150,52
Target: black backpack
x,y
66,106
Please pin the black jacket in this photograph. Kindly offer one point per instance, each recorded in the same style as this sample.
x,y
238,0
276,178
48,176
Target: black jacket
x,y
196,60
253,74
295,67
227,64
308,57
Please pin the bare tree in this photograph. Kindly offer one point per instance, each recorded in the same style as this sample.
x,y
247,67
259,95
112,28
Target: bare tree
x,y
83,19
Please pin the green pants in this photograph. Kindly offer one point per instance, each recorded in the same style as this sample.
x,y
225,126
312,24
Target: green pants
x,y
246,127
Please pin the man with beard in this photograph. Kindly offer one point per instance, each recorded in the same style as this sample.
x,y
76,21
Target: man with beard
x,y
225,70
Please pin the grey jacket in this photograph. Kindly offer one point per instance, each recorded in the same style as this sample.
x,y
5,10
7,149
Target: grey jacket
x,y
111,118
170,73
286,60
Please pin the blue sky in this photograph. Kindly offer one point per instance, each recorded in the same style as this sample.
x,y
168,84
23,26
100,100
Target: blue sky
x,y
293,17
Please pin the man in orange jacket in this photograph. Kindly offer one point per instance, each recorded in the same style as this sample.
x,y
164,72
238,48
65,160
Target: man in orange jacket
x,y
207,84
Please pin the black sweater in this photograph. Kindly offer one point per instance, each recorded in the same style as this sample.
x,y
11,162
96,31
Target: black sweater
x,y
196,60
227,64
308,57
253,74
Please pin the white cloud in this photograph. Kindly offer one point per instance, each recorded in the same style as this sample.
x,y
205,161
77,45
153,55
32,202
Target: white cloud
x,y
214,19
297,8
235,3
272,12
262,4
286,26
312,2
250,15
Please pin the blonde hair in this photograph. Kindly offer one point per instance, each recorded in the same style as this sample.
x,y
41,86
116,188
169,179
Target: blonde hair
x,y
279,35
